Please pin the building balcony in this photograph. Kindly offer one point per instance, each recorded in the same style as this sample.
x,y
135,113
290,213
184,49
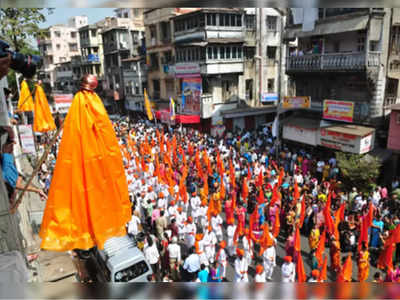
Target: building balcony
x,y
211,67
332,62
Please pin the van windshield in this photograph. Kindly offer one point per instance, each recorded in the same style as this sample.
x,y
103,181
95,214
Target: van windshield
x,y
131,272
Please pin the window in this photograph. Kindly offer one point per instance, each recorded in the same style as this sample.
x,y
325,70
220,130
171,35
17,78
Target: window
x,y
211,19
167,57
373,46
154,61
227,18
136,12
240,52
239,20
249,52
271,52
215,52
202,20
250,21
234,52
73,47
73,35
272,23
153,32
271,83
156,88
222,52
360,43
249,89
126,15
93,32
165,31
57,34
233,20
209,52
58,46
228,52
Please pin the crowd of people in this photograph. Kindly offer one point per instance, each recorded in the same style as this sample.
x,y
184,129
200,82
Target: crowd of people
x,y
201,203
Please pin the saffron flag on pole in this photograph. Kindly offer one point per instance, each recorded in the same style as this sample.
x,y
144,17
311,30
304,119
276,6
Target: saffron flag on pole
x,y
148,106
43,120
88,201
25,101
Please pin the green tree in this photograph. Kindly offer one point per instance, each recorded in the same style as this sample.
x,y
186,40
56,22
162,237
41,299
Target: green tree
x,y
18,27
359,171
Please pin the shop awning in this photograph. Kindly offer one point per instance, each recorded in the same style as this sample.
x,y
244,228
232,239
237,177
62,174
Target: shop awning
x,y
247,111
325,27
352,130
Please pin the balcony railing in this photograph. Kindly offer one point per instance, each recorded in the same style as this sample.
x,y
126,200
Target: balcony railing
x,y
332,62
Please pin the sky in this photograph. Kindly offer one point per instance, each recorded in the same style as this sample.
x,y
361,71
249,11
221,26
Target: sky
x,y
62,14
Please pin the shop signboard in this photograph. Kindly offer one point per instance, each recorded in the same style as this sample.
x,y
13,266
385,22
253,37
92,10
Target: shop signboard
x,y
296,102
307,136
346,142
338,110
191,96
63,102
269,97
186,70
27,140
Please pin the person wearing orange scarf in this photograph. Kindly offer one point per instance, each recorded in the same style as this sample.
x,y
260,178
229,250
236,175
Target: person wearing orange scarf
x,y
335,254
363,263
210,242
230,232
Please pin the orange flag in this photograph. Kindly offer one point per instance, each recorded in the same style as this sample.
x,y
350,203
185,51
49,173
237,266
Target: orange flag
x,y
222,191
297,240
321,248
347,270
301,273
25,101
323,276
386,257
88,201
265,240
261,199
43,120
275,195
248,173
277,224
260,179
363,232
232,174
302,212
280,178
245,190
328,217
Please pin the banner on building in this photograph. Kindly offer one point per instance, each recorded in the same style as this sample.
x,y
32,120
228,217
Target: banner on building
x,y
63,102
27,140
296,102
338,110
269,97
191,98
186,70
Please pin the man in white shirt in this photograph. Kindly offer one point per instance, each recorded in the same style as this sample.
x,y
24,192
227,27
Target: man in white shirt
x,y
247,246
133,225
269,257
222,258
192,265
174,251
195,205
190,232
288,270
230,232
180,222
153,256
210,242
216,223
241,267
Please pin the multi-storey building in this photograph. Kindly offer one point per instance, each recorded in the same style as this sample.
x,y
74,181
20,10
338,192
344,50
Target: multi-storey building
x,y
160,52
59,45
342,63
135,79
121,39
92,58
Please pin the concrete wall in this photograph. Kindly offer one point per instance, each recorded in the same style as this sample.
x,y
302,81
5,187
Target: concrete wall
x,y
394,131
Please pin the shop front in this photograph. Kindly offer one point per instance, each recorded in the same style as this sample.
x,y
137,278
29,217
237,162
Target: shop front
x,y
301,130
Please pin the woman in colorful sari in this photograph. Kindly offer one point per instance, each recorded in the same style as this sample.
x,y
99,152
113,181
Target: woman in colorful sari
x,y
363,263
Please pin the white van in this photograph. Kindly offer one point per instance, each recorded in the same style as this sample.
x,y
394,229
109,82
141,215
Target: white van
x,y
122,261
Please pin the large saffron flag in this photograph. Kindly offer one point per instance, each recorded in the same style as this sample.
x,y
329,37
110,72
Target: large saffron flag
x,y
43,120
25,101
301,273
88,200
148,106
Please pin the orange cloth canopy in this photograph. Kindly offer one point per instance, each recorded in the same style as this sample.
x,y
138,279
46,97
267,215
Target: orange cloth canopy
x,y
88,200
43,120
25,101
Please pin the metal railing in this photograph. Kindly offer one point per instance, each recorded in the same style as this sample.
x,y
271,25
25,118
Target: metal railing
x,y
333,61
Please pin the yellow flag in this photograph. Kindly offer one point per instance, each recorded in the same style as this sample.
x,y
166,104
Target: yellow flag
x,y
88,200
147,106
43,120
25,102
